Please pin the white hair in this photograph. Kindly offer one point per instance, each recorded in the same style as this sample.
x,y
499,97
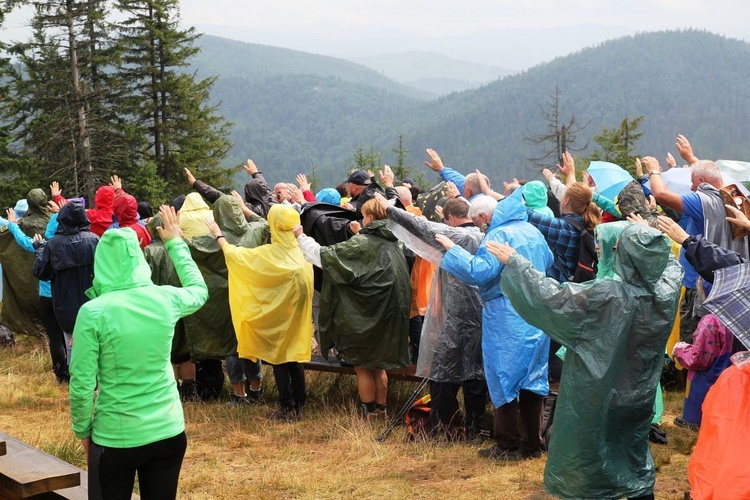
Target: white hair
x,y
708,170
482,205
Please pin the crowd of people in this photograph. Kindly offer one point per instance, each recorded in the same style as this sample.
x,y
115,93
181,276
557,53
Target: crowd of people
x,y
526,295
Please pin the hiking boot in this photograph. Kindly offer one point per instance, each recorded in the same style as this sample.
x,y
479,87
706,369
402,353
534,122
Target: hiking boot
x,y
497,453
189,392
656,435
284,414
237,401
256,397
681,422
532,454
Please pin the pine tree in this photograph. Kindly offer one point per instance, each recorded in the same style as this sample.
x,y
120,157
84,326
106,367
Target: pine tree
x,y
171,107
618,144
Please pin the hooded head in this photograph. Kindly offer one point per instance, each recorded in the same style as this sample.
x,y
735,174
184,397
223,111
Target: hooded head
x,y
125,208
508,210
145,211
257,195
22,206
329,195
104,198
642,255
535,196
119,263
193,215
72,218
178,202
229,217
632,200
606,240
151,226
37,201
282,219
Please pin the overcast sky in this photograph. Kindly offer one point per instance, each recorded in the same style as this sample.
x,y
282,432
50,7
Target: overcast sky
x,y
340,18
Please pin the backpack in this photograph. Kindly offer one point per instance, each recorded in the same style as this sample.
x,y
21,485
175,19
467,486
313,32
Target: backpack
x,y
417,419
587,257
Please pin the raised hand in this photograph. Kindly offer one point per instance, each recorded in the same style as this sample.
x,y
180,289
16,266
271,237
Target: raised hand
x,y
213,227
237,196
170,227
190,176
501,251
547,173
54,189
11,215
638,167
738,218
651,164
445,241
685,149
250,167
302,182
115,182
569,165
483,184
435,162
38,239
439,211
295,194
671,161
386,176
452,190
53,207
382,201
671,229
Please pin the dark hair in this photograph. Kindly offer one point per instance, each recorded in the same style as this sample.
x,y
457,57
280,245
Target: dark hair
x,y
457,208
341,188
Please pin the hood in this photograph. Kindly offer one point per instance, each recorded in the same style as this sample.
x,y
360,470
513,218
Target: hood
x,y
281,219
606,237
145,211
329,195
642,255
379,228
257,194
178,202
119,263
125,208
151,226
22,206
508,210
229,217
37,200
72,218
535,195
104,198
193,215
632,200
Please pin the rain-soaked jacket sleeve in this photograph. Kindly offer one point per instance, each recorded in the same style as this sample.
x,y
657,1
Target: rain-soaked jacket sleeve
x,y
557,187
86,372
555,308
472,269
418,234
706,257
310,249
450,175
209,193
194,291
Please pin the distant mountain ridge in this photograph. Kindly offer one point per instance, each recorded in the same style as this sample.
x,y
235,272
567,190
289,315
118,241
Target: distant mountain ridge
x,y
690,82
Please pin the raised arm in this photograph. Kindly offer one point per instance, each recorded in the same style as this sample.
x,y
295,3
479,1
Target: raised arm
x,y
659,188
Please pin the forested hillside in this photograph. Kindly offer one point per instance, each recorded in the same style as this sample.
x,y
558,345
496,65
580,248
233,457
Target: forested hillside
x,y
682,82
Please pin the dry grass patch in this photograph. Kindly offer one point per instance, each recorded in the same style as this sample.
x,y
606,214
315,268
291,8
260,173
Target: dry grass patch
x,y
236,453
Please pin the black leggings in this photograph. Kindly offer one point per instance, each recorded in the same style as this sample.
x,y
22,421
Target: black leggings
x,y
112,470
57,349
290,379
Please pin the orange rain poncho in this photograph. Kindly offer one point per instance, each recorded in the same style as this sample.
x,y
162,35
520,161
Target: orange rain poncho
x,y
270,294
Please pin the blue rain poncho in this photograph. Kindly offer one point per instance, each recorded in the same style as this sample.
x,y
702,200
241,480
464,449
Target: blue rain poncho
x,y
515,353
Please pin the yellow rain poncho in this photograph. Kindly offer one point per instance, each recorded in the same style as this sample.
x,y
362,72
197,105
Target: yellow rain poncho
x,y
270,294
193,215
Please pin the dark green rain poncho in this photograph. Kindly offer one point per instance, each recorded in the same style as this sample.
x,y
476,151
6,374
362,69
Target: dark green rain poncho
x,y
615,332
20,310
164,273
210,332
366,298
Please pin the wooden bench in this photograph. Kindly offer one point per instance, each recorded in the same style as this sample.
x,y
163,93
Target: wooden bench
x,y
27,472
319,363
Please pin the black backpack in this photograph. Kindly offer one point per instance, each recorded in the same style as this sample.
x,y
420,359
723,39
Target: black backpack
x,y
587,258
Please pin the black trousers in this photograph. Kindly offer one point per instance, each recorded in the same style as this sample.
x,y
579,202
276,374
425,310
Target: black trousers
x,y
415,335
57,350
112,470
518,423
290,380
444,409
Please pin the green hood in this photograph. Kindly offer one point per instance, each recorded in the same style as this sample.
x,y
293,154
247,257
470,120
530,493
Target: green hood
x,y
642,255
151,226
535,196
378,228
36,218
606,237
235,228
119,263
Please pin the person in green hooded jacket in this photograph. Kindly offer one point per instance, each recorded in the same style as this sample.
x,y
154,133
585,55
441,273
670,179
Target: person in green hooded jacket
x,y
123,338
535,197
614,331
365,303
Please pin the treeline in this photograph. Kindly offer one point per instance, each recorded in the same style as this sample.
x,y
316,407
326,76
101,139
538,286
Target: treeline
x,y
87,97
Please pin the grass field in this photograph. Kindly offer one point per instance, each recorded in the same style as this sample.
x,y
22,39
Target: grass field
x,y
329,454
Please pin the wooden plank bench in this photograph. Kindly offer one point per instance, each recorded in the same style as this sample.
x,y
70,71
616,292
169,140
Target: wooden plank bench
x,y
319,363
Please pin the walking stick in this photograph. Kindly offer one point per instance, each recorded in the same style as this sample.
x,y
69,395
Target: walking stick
x,y
402,412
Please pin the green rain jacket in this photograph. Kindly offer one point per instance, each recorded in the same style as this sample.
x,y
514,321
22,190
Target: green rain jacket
x,y
122,340
615,332
366,299
20,310
210,332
